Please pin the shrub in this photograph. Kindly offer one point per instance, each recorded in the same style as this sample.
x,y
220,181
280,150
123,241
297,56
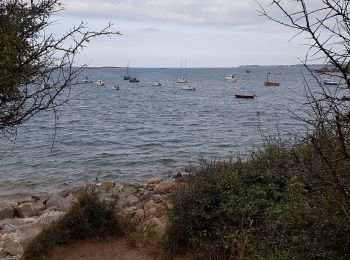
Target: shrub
x,y
90,217
280,203
233,209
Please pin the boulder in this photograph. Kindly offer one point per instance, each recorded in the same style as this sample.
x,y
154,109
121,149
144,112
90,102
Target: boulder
x,y
153,181
165,186
41,197
38,207
7,228
28,236
25,210
130,189
13,247
6,210
50,216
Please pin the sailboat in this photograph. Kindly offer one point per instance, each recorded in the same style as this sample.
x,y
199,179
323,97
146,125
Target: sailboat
x,y
182,78
127,76
268,83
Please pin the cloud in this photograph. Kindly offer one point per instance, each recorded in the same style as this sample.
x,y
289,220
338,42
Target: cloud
x,y
190,12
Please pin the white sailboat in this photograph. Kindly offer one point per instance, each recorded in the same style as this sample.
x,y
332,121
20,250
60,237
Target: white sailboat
x,y
183,78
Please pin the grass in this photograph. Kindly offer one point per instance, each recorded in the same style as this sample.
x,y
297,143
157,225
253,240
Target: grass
x,y
89,218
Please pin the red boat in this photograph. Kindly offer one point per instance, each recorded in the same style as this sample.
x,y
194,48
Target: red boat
x,y
245,96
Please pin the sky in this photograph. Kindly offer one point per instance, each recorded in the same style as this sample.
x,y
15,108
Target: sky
x,y
164,33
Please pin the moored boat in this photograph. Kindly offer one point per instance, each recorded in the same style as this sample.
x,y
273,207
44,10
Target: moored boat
x,y
268,83
330,82
186,86
133,80
245,96
99,83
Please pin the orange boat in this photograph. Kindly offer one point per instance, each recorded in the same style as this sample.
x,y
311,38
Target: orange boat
x,y
268,83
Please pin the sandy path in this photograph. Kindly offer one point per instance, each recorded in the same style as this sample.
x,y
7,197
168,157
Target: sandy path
x,y
113,249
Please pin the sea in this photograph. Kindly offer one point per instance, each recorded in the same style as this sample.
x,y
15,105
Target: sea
x,y
143,131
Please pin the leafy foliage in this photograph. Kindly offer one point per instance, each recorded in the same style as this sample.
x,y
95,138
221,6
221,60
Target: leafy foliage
x,y
263,207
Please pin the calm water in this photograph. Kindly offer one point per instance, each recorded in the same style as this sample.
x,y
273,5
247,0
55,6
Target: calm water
x,y
143,131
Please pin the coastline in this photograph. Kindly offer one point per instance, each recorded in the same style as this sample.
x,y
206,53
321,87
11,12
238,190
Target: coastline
x,y
142,205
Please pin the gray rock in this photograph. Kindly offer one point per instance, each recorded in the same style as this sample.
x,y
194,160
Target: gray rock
x,y
6,210
3,254
25,210
130,189
28,236
50,217
13,247
8,228
41,197
54,201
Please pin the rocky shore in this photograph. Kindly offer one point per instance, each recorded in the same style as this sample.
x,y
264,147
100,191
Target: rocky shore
x,y
141,207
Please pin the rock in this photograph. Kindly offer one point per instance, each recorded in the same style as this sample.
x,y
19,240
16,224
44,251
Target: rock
x,y
64,193
25,210
28,236
130,189
54,201
79,192
51,216
8,228
107,185
38,207
114,191
131,199
62,203
165,186
6,210
3,254
153,181
41,197
127,201
129,210
13,247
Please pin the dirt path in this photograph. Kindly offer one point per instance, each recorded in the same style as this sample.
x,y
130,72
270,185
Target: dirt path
x,y
113,249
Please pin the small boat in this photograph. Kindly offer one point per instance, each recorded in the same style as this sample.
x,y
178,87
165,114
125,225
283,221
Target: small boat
x,y
157,84
268,83
182,80
133,80
115,87
99,83
245,96
231,77
186,86
86,80
330,82
247,71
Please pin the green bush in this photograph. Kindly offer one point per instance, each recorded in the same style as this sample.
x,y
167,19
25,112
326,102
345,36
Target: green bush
x,y
227,207
89,218
270,206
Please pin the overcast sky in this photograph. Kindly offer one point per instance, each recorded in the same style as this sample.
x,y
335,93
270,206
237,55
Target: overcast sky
x,y
162,33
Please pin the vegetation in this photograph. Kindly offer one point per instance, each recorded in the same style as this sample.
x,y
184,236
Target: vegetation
x,y
266,207
89,218
36,69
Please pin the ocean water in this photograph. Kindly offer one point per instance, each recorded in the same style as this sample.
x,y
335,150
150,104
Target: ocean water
x,y
143,131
